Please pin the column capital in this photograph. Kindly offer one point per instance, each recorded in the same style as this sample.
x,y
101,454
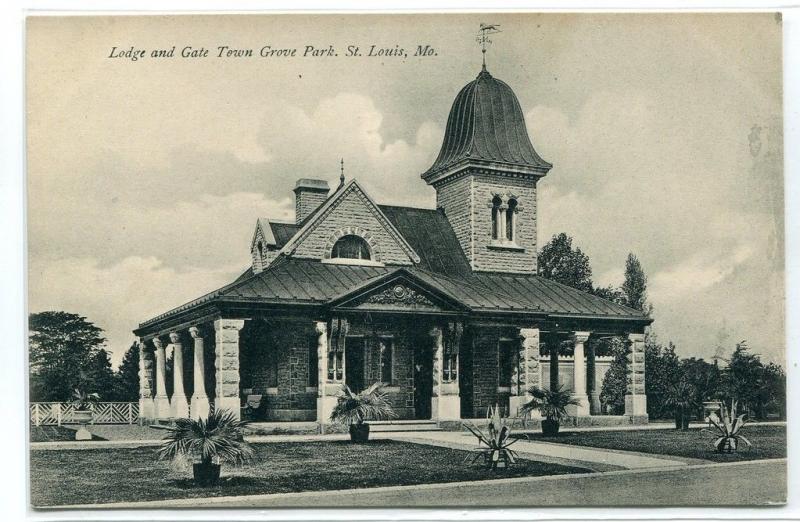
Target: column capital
x,y
435,330
320,327
580,337
175,337
636,337
527,333
159,344
195,332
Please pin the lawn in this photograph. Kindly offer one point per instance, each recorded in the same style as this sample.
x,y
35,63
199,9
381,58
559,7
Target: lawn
x,y
55,434
61,477
769,442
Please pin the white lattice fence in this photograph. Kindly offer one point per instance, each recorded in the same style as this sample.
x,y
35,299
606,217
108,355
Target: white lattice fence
x,y
58,413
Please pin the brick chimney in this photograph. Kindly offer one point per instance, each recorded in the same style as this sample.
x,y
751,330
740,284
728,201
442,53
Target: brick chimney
x,y
309,194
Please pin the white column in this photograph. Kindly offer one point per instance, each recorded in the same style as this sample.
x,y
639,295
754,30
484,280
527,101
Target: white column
x,y
327,391
579,371
162,409
227,365
445,398
591,380
146,404
635,398
199,407
180,406
528,372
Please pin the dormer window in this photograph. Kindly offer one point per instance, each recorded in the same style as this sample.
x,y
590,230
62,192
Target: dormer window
x,y
351,247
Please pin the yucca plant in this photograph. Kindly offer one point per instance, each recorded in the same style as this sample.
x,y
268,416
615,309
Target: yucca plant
x,y
727,426
552,404
208,443
83,401
493,445
354,409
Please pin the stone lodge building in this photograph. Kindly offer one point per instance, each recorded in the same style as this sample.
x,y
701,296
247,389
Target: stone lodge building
x,y
442,305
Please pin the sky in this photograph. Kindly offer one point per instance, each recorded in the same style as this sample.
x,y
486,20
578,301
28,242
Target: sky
x,y
145,178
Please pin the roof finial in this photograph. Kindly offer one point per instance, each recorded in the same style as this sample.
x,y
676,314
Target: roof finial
x,y
341,176
483,39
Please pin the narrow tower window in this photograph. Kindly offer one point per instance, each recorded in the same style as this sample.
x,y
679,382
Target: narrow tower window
x,y
496,203
511,220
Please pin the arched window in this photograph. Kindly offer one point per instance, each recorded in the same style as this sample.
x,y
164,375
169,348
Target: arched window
x,y
496,203
351,247
511,220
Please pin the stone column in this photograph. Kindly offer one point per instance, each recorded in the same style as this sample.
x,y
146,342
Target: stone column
x,y
579,372
445,399
635,398
199,407
501,222
162,409
591,380
227,365
528,374
180,406
146,403
327,391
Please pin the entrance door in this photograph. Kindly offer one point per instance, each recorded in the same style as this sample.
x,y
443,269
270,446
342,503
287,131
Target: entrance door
x,y
423,378
354,363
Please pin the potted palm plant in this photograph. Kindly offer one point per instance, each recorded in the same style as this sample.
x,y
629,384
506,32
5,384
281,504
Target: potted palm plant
x,y
207,443
681,398
82,403
552,404
354,409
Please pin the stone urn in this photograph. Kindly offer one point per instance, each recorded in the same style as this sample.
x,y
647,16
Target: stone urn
x,y
82,417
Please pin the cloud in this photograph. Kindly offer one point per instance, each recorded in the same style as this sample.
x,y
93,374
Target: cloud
x,y
119,296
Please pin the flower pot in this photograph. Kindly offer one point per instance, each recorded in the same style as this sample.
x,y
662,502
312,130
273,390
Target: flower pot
x,y
550,428
359,432
82,416
728,445
205,473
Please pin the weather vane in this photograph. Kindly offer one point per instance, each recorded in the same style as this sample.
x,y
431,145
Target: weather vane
x,y
483,38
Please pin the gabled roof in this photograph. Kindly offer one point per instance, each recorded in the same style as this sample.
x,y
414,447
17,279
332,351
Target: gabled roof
x,y
308,225
432,237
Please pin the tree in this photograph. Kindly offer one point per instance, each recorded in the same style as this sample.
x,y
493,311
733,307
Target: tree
x,y
63,350
615,382
559,262
663,372
754,385
705,378
635,286
127,376
98,375
610,293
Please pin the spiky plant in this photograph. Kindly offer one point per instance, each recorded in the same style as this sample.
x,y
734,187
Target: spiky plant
x,y
552,404
493,445
217,439
356,408
726,428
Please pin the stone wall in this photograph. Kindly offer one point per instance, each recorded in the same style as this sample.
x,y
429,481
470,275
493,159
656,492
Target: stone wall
x,y
353,211
467,202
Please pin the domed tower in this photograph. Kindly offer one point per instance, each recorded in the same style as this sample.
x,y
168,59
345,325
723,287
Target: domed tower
x,y
485,178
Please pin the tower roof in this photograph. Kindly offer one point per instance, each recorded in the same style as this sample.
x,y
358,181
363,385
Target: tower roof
x,y
486,125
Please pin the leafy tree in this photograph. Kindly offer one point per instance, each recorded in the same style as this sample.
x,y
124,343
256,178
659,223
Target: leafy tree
x,y
64,350
99,376
635,286
705,378
662,367
615,382
559,262
756,386
127,376
610,293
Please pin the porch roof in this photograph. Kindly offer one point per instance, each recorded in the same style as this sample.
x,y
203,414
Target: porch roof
x,y
292,281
